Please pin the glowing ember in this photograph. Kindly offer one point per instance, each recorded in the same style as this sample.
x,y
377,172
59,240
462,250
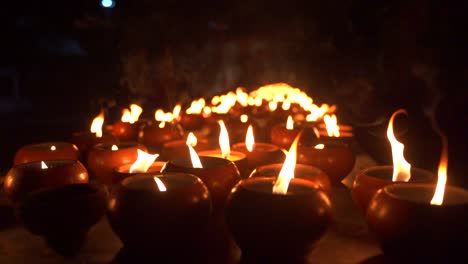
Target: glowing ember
x,y
224,140
287,171
43,165
244,118
196,163
319,146
191,140
290,123
114,148
96,125
331,123
160,184
249,139
438,197
53,148
401,168
143,162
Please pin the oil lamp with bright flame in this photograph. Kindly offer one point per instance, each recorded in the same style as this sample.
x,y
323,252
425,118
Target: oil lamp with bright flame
x,y
127,128
192,118
370,180
225,152
178,148
25,178
46,151
283,135
104,158
298,204
162,213
155,135
144,164
258,153
421,222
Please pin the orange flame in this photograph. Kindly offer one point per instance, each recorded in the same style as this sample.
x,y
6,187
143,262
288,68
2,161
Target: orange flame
x,y
43,165
224,144
401,168
176,112
143,162
287,171
286,105
162,124
196,106
126,116
244,118
114,148
272,106
135,112
319,146
191,140
290,123
96,125
438,197
53,148
249,139
160,184
196,163
331,123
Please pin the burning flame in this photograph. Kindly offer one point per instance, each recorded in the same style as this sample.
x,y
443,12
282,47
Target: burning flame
x,y
114,148
126,116
53,148
160,184
135,112
191,140
286,105
224,140
176,111
287,171
272,105
249,139
143,162
319,146
162,124
161,116
438,197
43,165
401,168
331,123
196,106
244,118
96,126
206,111
196,163
290,123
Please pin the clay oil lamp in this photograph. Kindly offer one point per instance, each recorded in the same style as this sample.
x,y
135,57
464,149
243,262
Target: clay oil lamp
x,y
237,128
144,164
104,158
86,140
27,177
239,158
155,135
277,219
192,118
46,151
177,148
331,131
283,136
127,128
370,180
423,222
63,215
258,154
165,213
218,174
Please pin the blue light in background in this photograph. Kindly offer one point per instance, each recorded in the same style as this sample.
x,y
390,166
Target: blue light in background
x,y
107,3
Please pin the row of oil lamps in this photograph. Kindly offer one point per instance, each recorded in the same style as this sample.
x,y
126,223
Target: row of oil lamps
x,y
273,210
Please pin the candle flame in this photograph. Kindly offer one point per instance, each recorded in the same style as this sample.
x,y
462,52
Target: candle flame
x,y
162,124
206,111
196,163
135,112
196,106
143,162
43,165
244,118
286,105
53,148
176,112
249,139
114,148
224,144
272,105
191,140
96,125
438,197
160,184
287,171
290,123
331,123
319,146
401,168
126,116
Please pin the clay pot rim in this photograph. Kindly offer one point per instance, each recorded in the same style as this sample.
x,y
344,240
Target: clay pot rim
x,y
64,191
272,147
314,171
124,167
165,176
54,163
422,173
120,145
57,144
392,191
207,162
304,185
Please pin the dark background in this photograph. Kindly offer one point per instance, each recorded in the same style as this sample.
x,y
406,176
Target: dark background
x,y
61,61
